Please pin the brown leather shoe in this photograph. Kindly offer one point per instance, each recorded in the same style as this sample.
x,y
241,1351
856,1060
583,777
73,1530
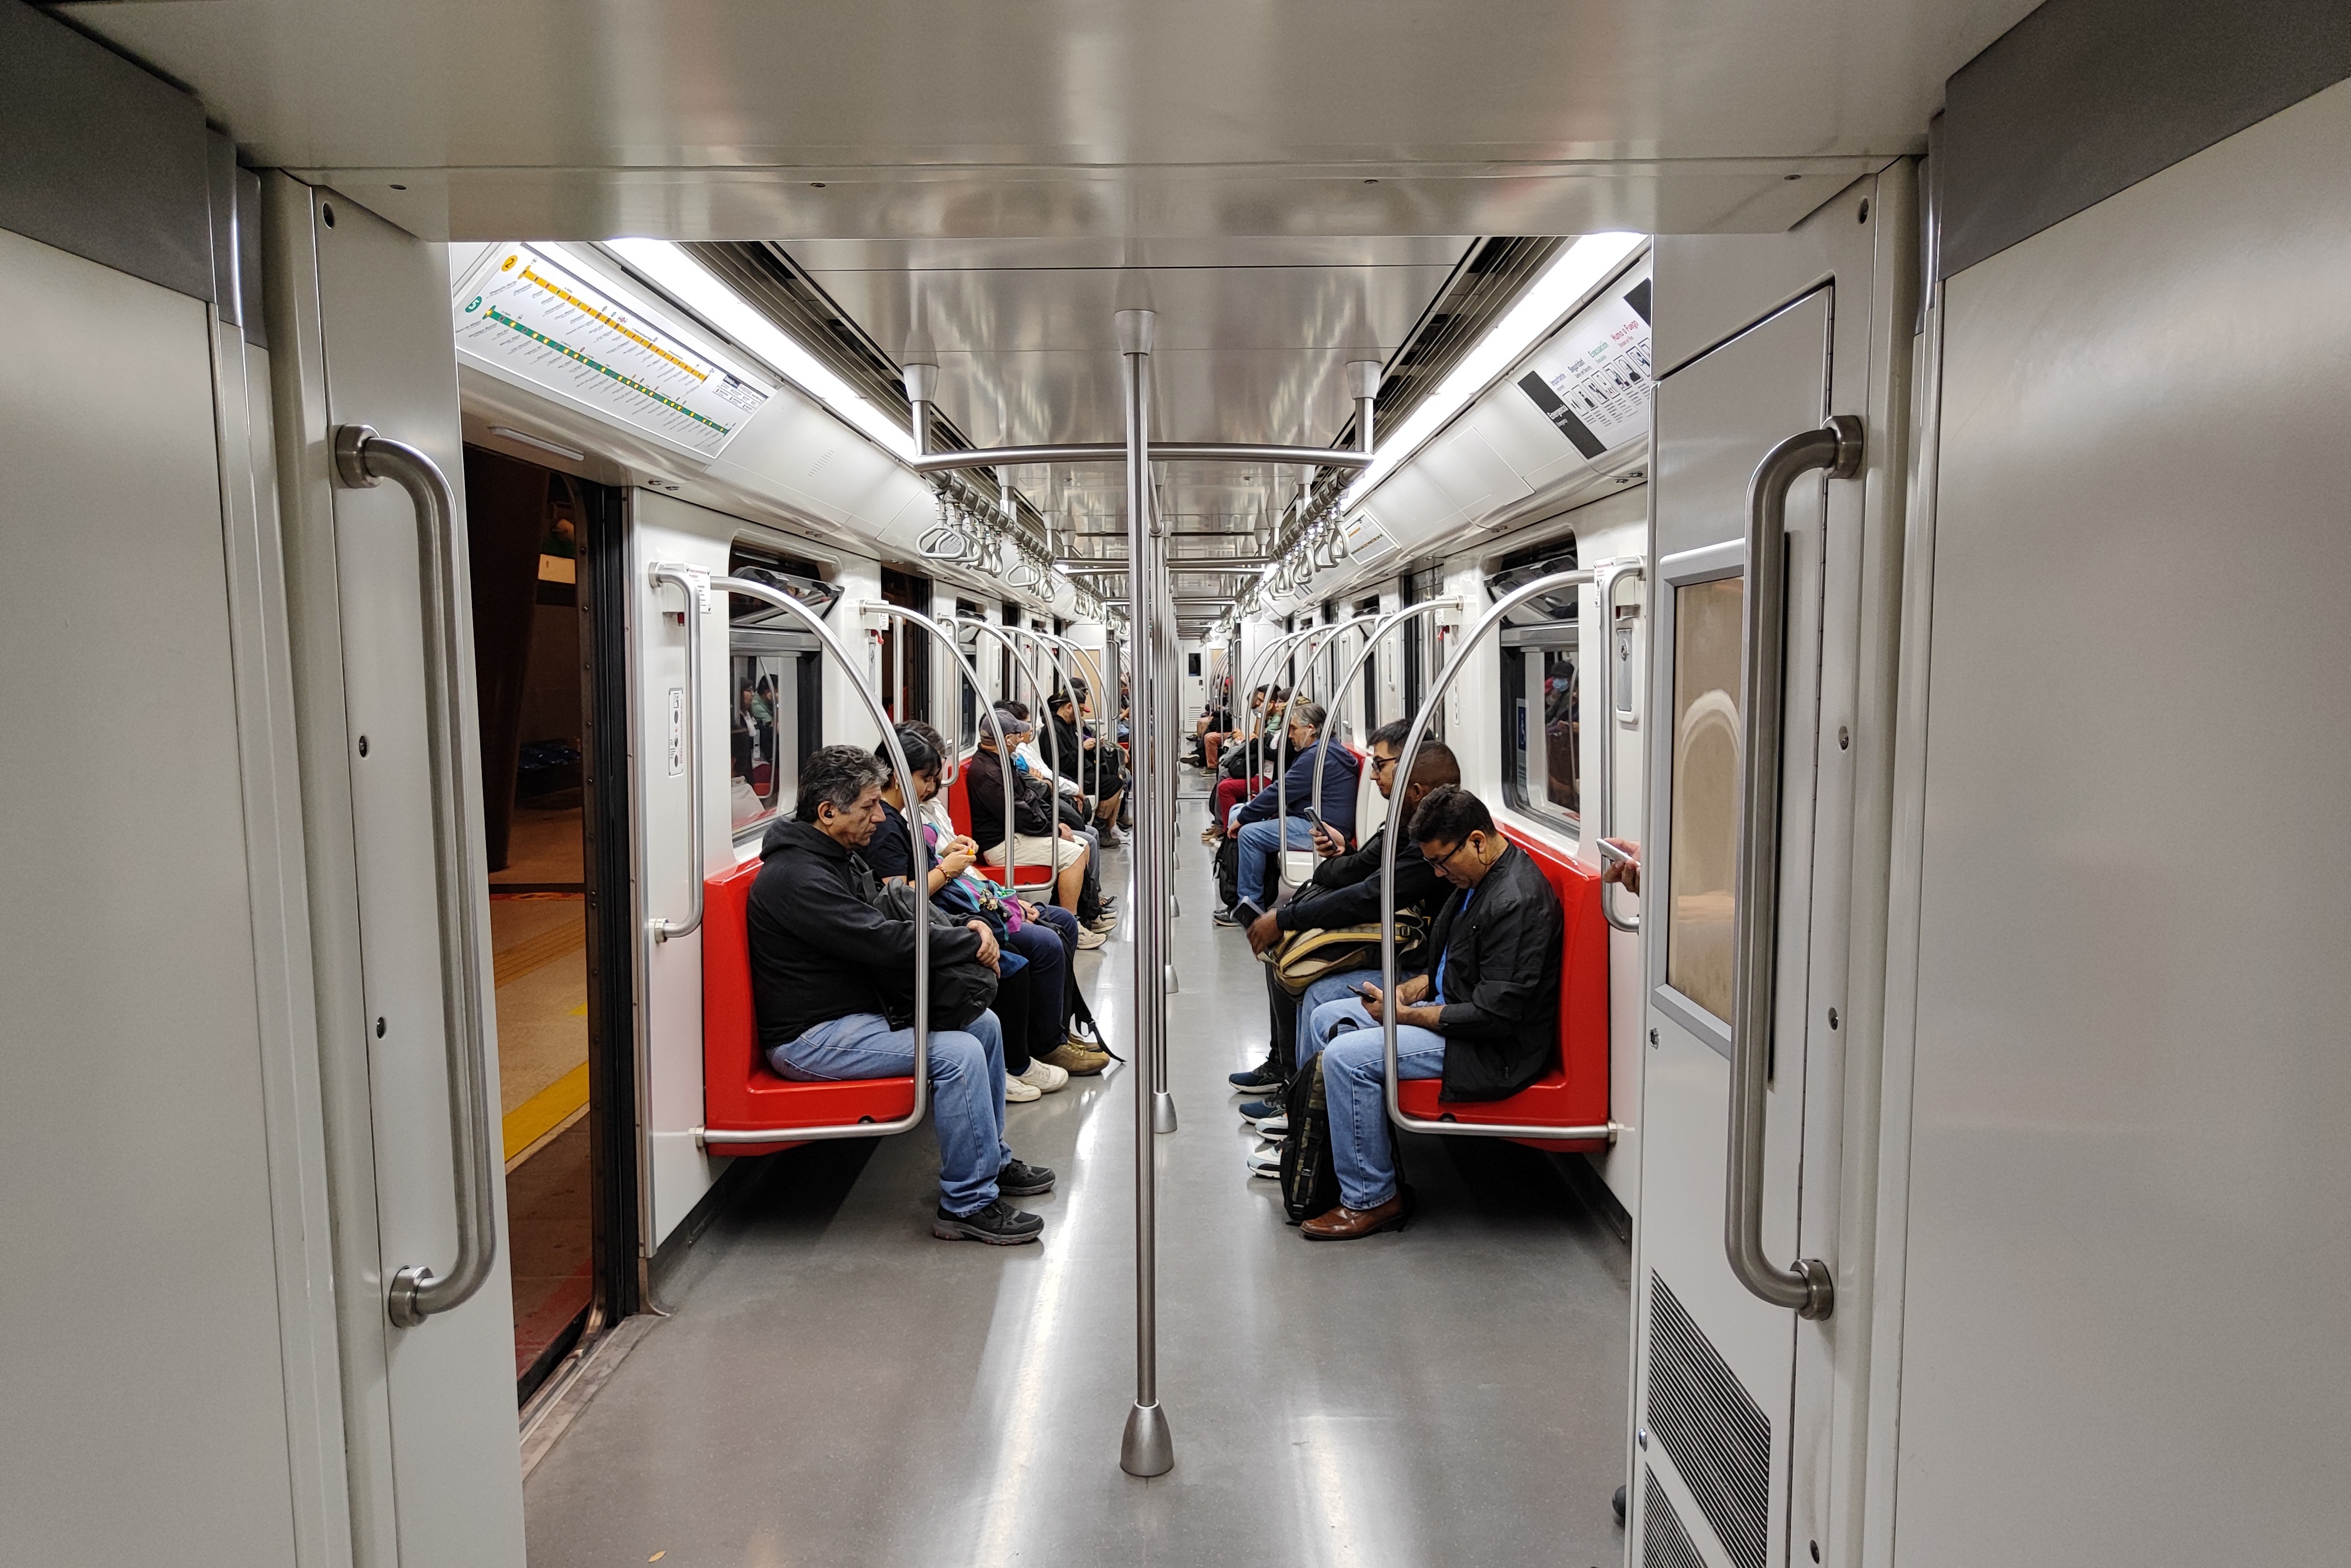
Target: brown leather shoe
x,y
1344,1224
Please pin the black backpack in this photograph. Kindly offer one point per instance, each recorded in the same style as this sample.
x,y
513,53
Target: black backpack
x,y
960,990
1228,870
1310,1181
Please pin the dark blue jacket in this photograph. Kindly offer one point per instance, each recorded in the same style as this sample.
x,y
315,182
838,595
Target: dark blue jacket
x,y
1338,803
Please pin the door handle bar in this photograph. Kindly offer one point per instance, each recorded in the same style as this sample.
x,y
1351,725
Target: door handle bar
x,y
707,1136
1835,447
694,582
363,459
1602,805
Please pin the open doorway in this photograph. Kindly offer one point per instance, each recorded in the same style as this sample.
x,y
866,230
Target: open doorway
x,y
535,538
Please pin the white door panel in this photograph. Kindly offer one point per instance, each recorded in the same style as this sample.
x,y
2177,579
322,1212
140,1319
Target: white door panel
x,y
142,1370
431,1416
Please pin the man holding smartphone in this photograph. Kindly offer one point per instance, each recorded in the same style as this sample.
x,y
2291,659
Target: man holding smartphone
x,y
1485,1019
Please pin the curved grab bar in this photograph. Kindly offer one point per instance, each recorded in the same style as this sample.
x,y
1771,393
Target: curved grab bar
x,y
363,459
1015,661
1808,1286
1603,796
1314,779
881,715
695,583
1387,623
1405,759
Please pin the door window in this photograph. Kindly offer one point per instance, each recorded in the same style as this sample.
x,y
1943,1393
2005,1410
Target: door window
x,y
1705,828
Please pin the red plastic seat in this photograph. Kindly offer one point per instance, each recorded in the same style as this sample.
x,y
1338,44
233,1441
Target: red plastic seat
x,y
959,794
740,1092
1574,1093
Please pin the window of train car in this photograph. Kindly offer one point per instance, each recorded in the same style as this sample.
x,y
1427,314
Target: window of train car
x,y
1368,683
1541,725
906,648
773,669
1705,793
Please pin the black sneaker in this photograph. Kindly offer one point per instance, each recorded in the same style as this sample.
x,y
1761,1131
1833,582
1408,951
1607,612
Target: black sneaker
x,y
1264,1076
1020,1180
998,1225
1229,915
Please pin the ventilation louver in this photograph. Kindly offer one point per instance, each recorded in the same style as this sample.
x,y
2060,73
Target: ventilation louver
x,y
1664,1543
1712,1428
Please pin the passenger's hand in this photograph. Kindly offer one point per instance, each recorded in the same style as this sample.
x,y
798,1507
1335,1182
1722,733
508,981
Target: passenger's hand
x,y
1328,841
963,844
1263,932
1421,1018
1371,1000
1413,989
1067,832
956,862
1624,872
988,950
1028,911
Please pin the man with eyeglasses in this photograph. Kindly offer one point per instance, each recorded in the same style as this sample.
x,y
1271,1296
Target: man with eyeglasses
x,y
1484,1020
1344,892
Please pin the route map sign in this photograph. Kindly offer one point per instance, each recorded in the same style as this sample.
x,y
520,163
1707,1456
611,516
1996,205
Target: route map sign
x,y
524,314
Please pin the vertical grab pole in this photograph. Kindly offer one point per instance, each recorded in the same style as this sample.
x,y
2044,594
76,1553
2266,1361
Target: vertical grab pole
x,y
1163,752
1147,1447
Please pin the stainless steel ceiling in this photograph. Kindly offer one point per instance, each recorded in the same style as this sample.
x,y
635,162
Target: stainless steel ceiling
x,y
984,181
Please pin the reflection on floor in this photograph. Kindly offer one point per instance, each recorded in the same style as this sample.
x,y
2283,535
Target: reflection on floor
x,y
539,946
837,1387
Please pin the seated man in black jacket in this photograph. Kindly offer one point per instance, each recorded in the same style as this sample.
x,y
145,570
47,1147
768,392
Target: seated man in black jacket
x,y
828,970
1485,1021
1344,892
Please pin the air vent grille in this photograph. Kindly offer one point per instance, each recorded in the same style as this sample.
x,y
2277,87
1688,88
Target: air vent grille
x,y
1664,1543
1711,1428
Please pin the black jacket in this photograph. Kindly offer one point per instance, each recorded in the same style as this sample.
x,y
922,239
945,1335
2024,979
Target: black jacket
x,y
1096,771
1032,807
1346,889
1501,973
820,950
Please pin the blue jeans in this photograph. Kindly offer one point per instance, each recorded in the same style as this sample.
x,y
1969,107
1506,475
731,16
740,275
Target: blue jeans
x,y
1256,852
1355,1064
1329,989
1044,983
967,1071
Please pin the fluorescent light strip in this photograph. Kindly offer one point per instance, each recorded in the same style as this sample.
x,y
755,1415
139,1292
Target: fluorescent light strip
x,y
1552,294
703,292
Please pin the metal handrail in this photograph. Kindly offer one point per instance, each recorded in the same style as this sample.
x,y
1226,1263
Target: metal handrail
x,y
363,459
1808,1286
1261,664
1493,619
1321,748
694,583
1004,752
1387,623
1611,573
705,1136
950,766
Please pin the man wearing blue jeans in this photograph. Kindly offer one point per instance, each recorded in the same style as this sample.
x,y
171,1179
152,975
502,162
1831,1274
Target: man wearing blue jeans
x,y
1254,822
1485,1021
832,982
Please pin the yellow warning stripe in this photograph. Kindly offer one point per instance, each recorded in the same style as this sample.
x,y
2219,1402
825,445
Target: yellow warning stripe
x,y
545,1111
544,948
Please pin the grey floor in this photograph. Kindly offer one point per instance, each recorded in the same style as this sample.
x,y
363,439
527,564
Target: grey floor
x,y
836,1388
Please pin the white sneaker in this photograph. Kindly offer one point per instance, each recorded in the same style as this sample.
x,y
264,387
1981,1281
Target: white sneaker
x,y
1089,940
1018,1093
1042,1076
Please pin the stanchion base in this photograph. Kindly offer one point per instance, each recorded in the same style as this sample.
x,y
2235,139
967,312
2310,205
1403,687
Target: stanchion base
x,y
1149,1449
1163,1112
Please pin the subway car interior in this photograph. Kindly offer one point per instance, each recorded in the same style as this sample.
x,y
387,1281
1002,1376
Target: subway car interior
x,y
876,829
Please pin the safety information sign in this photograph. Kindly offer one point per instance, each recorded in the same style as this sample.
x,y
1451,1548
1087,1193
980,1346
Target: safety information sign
x,y
527,316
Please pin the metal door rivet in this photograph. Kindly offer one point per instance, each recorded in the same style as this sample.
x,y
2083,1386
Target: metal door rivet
x,y
378,1029
362,746
327,212
1864,218
1642,1436
1816,1551
1653,1036
1833,1018
1844,737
